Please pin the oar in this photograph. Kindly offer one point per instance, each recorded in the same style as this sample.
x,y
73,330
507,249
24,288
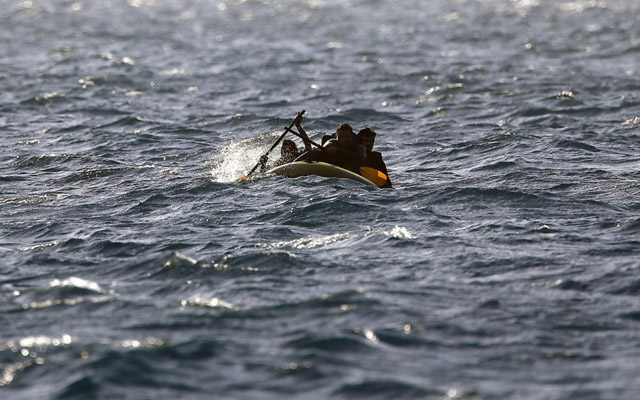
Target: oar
x,y
372,174
300,136
286,130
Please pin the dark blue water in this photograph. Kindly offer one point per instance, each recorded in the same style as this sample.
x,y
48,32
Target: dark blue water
x,y
503,265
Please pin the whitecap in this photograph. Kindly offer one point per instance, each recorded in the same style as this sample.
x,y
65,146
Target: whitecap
x,y
79,283
212,302
399,232
39,246
311,242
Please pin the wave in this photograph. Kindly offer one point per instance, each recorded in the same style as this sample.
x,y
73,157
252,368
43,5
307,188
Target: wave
x,y
32,199
66,292
46,160
361,117
98,367
474,194
385,389
46,99
631,225
337,344
104,172
574,144
166,269
397,233
498,165
124,122
120,249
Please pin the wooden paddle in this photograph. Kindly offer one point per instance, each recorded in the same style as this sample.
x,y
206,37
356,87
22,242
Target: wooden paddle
x,y
286,130
300,136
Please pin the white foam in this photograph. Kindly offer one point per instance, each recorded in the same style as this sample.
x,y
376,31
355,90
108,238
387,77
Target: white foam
x,y
237,158
399,232
75,282
311,242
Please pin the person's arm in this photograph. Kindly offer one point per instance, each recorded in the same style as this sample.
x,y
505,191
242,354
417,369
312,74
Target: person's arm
x,y
305,138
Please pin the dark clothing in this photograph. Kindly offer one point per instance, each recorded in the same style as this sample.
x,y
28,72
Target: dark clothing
x,y
374,160
304,156
280,161
327,138
348,156
285,160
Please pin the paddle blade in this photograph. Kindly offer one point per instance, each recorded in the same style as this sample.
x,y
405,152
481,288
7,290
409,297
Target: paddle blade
x,y
375,176
243,177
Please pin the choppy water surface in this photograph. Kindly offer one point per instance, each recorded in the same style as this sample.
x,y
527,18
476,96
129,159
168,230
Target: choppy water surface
x,y
504,263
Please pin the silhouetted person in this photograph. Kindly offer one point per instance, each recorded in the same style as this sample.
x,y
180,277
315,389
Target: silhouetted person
x,y
367,137
343,151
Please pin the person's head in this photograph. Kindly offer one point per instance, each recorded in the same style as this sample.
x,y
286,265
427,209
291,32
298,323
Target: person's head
x,y
367,138
344,133
288,149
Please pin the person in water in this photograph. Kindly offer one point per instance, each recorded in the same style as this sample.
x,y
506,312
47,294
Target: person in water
x,y
343,150
373,159
288,153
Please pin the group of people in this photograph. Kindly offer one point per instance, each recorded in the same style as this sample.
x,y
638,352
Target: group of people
x,y
343,148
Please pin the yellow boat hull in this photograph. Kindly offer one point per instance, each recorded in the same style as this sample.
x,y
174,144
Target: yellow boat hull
x,y
303,168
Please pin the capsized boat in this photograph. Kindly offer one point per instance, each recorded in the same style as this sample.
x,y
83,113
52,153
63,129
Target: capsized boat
x,y
303,168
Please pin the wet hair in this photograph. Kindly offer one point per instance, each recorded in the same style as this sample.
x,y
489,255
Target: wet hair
x,y
366,132
344,126
289,145
348,132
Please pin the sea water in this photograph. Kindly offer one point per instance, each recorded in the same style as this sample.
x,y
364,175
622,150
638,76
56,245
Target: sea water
x,y
502,265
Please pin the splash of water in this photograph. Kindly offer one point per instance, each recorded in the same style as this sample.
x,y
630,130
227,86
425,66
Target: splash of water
x,y
237,158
